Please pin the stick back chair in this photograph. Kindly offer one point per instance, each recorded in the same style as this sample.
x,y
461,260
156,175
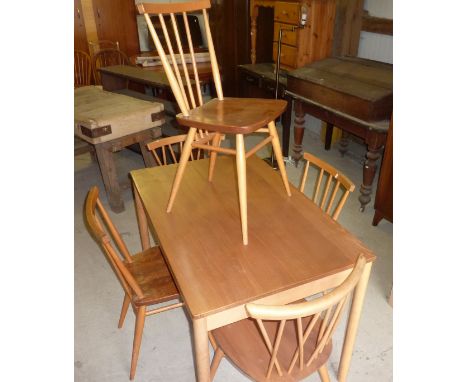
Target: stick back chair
x,y
82,68
327,201
287,342
108,57
144,276
220,115
96,46
167,150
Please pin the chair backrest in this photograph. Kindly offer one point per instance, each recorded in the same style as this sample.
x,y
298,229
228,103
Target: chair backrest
x,y
106,234
180,87
340,181
324,314
82,68
108,57
167,150
96,46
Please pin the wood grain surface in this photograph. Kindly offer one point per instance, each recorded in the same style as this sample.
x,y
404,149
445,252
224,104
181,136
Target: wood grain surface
x,y
291,241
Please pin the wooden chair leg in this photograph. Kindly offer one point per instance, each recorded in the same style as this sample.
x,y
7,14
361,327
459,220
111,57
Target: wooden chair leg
x,y
242,184
323,372
139,324
184,157
213,155
123,313
218,356
279,155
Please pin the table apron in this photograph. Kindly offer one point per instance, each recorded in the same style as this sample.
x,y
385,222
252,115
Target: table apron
x,y
238,313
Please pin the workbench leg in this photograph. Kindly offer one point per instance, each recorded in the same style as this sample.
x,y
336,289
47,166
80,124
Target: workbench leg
x,y
109,176
298,131
147,156
202,352
370,167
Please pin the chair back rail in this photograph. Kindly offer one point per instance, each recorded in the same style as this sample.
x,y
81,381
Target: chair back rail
x,y
96,46
108,57
105,232
181,83
325,311
327,201
82,68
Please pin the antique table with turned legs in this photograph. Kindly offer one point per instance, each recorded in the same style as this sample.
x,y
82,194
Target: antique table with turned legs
x,y
295,250
353,94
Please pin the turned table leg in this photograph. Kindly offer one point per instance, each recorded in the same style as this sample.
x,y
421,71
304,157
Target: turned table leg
x,y
369,169
298,131
344,142
109,176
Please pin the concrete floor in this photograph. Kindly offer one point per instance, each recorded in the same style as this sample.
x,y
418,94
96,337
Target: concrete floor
x,y
103,352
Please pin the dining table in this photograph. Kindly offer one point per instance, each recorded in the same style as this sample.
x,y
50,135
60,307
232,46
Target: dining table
x,y
295,250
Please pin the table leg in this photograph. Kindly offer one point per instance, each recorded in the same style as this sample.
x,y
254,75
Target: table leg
x,y
286,123
369,169
299,121
147,156
353,321
202,352
109,176
142,221
344,142
328,135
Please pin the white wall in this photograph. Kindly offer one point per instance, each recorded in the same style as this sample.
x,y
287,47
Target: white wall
x,y
377,46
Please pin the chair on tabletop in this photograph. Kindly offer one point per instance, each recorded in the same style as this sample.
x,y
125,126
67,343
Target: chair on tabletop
x,y
287,342
327,202
144,276
108,57
208,121
82,68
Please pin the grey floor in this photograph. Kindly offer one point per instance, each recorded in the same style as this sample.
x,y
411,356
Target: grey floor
x,y
102,352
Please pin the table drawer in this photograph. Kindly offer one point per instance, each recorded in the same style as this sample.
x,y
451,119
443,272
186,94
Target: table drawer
x,y
288,55
289,37
287,12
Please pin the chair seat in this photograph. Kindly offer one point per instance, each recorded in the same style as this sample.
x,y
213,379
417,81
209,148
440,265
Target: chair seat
x,y
243,344
152,275
234,115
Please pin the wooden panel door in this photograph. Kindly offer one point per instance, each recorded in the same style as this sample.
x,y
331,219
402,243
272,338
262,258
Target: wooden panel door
x,y
116,21
81,42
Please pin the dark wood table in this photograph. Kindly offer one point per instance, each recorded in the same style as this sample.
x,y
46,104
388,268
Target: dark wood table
x,y
351,93
295,250
259,81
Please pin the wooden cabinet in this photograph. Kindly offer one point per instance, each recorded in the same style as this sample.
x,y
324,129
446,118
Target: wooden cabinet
x,y
332,28
384,195
299,46
113,20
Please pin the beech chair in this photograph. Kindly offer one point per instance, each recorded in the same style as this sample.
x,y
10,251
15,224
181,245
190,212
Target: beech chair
x,y
287,342
340,181
144,276
208,121
167,150
108,57
96,46
82,68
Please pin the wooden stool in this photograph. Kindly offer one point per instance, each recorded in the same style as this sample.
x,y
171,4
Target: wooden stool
x,y
111,122
208,122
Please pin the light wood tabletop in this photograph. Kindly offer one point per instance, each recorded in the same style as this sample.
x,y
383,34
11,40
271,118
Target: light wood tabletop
x,y
295,250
